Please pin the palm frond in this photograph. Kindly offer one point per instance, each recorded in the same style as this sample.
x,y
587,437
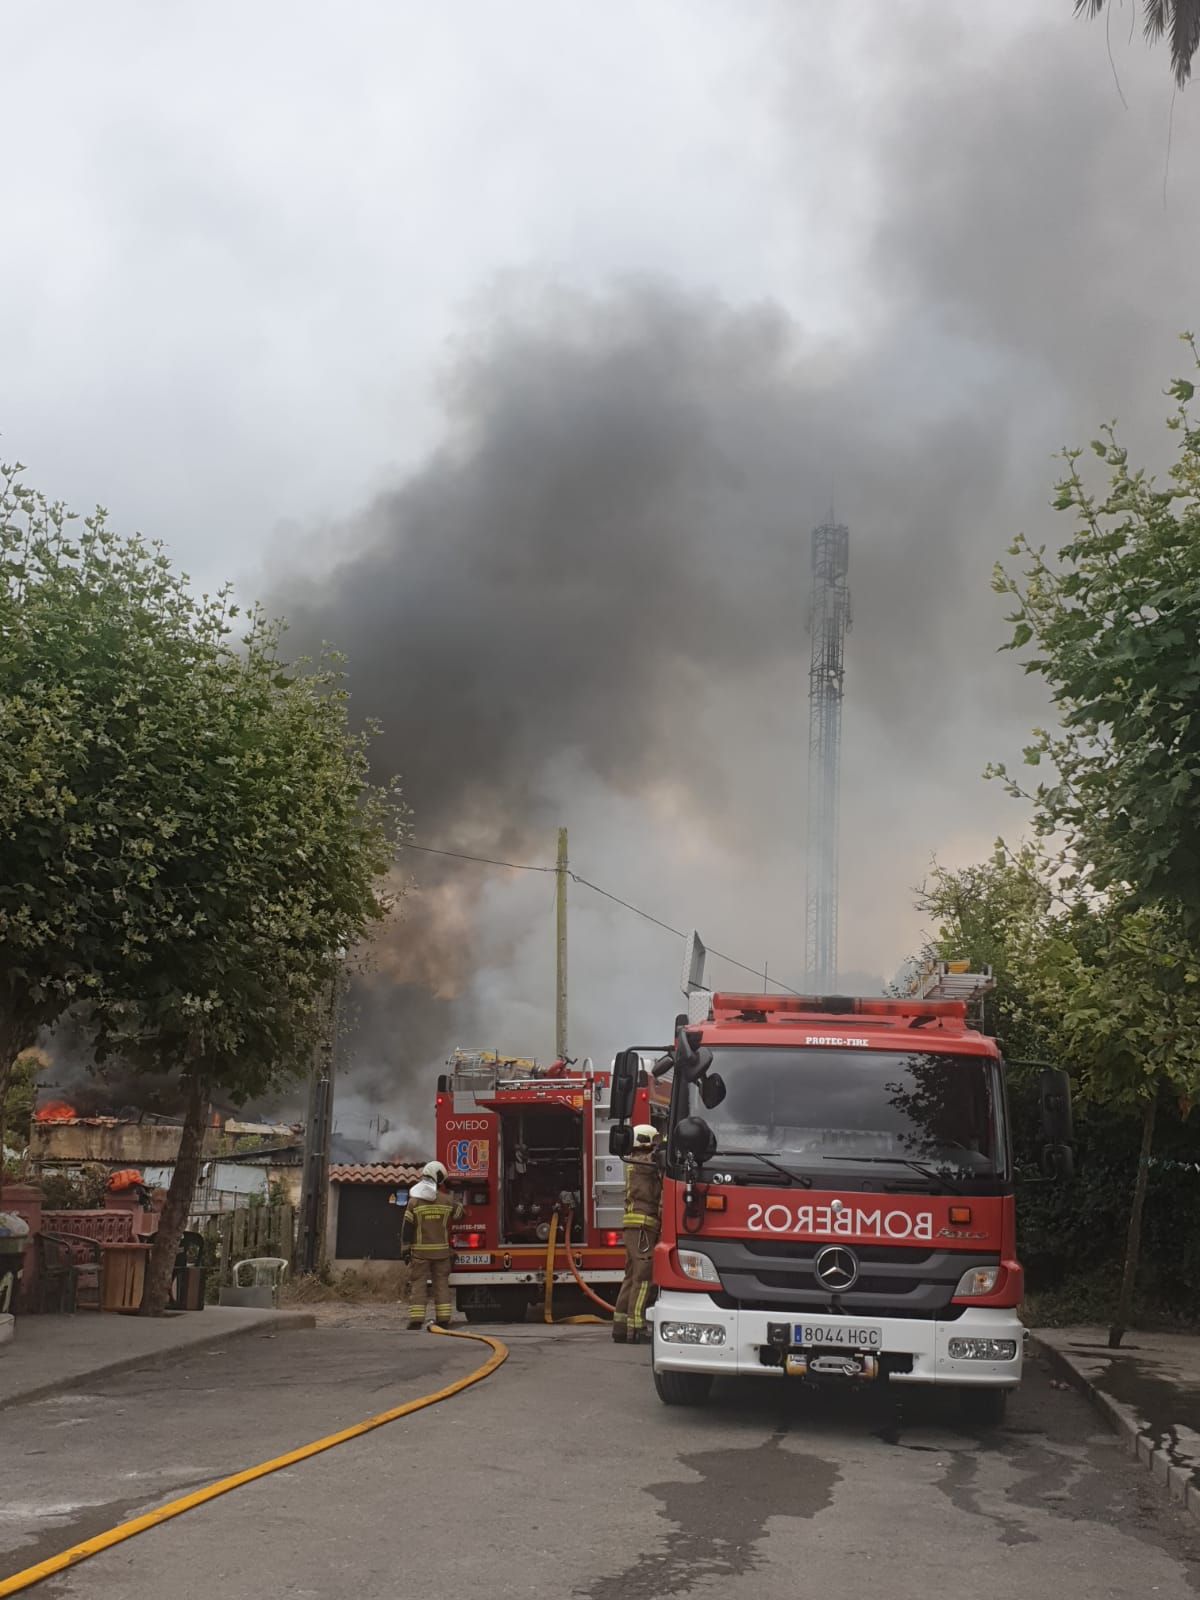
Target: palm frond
x,y
1180,18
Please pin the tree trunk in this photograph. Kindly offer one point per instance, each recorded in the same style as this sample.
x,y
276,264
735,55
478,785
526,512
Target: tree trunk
x,y
179,1199
1133,1240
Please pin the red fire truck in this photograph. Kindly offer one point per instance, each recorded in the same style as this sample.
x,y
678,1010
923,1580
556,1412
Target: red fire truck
x,y
838,1193
528,1148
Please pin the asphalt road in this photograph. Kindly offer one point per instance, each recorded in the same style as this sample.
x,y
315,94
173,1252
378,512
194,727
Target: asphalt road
x,y
562,1475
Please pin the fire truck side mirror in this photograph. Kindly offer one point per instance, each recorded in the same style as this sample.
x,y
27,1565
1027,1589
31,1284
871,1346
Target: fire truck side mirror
x,y
712,1090
1058,1162
1054,1088
624,1086
693,1062
694,1137
620,1140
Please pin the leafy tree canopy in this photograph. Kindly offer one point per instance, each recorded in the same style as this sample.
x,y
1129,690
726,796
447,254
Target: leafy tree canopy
x,y
1112,624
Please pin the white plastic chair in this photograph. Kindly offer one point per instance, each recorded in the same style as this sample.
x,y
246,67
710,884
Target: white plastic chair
x,y
267,1272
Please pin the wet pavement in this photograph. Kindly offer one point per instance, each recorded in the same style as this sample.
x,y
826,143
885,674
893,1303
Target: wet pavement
x,y
562,1475
1149,1389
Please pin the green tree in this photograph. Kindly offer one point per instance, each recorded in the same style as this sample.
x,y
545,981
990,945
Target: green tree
x,y
16,1109
98,641
1180,19
276,850
1112,625
990,913
1124,989
190,837
1113,991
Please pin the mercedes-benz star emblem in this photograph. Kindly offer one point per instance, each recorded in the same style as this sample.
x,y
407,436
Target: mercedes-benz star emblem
x,y
837,1268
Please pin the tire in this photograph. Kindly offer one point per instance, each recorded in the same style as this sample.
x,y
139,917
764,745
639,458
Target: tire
x,y
983,1408
683,1388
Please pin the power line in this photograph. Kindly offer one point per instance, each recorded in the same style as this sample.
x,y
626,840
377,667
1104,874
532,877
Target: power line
x,y
584,883
461,855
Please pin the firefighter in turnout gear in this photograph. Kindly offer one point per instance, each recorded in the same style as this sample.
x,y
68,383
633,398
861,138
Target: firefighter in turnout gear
x,y
643,1206
425,1244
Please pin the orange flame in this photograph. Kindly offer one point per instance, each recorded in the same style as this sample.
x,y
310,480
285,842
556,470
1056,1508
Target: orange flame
x,y
55,1111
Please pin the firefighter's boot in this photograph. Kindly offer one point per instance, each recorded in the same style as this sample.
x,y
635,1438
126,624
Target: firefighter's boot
x,y
620,1333
415,1324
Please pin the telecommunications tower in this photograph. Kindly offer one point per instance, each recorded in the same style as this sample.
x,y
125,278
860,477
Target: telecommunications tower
x,y
828,621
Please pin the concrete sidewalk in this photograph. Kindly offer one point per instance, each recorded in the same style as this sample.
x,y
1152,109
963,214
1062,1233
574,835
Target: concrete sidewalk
x,y
53,1353
1148,1391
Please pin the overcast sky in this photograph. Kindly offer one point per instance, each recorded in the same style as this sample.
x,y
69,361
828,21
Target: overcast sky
x,y
370,308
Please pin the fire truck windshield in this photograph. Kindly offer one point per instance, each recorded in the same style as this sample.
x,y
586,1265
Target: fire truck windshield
x,y
878,1106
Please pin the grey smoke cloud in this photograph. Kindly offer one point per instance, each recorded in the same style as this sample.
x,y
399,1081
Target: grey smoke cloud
x,y
609,306
591,598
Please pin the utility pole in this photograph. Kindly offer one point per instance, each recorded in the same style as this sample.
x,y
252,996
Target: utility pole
x,y
318,1129
560,1006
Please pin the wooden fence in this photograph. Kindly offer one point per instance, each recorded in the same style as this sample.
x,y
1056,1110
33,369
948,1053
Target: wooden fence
x,y
235,1236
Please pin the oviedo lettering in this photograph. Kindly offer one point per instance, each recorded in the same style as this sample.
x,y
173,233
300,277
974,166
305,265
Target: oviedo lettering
x,y
852,1222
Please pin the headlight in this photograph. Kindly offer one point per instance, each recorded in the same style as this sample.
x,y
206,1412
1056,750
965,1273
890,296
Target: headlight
x,y
983,1349
978,1280
691,1333
695,1264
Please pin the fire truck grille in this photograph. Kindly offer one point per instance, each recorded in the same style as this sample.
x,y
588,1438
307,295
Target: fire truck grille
x,y
892,1282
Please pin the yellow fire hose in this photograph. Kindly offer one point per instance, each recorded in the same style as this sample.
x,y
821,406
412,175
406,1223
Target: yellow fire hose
x,y
547,1313
237,1480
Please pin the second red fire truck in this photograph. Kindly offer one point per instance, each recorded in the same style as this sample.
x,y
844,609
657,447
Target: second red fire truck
x,y
528,1150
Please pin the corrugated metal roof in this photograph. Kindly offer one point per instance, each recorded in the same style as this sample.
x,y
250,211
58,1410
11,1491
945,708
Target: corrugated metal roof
x,y
391,1172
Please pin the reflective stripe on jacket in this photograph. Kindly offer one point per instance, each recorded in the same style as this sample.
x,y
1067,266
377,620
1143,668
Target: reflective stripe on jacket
x,y
426,1227
643,1192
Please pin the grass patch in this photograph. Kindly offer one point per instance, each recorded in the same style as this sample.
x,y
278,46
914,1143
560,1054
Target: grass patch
x,y
350,1287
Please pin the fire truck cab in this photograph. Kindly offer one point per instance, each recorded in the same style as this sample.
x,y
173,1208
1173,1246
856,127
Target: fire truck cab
x,y
523,1145
838,1194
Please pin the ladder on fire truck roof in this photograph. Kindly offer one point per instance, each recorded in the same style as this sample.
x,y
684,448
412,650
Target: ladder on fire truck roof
x,y
487,1070
952,980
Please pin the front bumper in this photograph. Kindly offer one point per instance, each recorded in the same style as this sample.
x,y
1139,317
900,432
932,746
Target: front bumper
x,y
927,1343
519,1275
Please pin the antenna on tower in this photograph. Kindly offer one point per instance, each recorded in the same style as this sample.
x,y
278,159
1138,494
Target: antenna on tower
x,y
829,621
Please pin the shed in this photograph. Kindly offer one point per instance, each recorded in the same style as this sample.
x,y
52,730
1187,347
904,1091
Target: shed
x,y
366,1208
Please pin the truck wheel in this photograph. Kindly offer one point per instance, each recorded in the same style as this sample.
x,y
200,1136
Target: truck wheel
x,y
983,1408
683,1388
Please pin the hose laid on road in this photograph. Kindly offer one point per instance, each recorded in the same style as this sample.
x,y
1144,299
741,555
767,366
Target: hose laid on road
x,y
237,1480
547,1313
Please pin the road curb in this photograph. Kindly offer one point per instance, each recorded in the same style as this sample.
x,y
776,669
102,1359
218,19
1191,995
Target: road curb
x,y
288,1322
1179,1482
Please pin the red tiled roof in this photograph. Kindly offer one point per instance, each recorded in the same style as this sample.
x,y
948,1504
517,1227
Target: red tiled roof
x,y
377,1172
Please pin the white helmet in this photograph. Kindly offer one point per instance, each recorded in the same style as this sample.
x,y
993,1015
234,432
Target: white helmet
x,y
434,1170
645,1133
